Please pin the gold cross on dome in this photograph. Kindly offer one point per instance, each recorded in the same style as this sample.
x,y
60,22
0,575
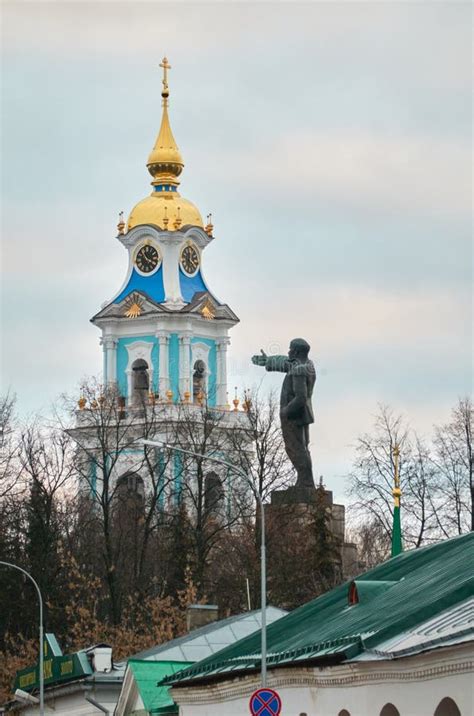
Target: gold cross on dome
x,y
166,66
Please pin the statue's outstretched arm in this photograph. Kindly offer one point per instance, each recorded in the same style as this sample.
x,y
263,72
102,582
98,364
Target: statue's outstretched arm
x,y
278,363
272,363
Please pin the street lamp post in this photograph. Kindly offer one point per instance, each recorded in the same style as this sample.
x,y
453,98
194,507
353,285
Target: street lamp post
x,y
263,562
41,644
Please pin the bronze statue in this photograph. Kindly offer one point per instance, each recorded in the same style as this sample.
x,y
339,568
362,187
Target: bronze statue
x,y
296,412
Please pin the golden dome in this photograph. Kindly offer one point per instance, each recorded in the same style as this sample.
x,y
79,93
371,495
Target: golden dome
x,y
165,208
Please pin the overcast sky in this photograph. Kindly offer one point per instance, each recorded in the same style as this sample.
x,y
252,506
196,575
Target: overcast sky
x,y
331,141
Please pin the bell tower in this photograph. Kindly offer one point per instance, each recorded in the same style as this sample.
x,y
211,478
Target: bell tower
x,y
164,332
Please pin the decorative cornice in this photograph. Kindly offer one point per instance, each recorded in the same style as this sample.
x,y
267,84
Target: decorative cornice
x,y
351,674
132,237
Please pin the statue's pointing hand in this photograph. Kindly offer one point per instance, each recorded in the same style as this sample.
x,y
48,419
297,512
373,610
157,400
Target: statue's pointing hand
x,y
260,359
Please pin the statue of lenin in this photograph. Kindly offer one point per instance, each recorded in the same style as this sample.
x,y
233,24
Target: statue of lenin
x,y
296,412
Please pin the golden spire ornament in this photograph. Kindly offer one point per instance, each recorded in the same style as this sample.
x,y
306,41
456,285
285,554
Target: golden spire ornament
x,y
177,221
209,226
236,400
165,163
396,492
397,544
121,224
165,92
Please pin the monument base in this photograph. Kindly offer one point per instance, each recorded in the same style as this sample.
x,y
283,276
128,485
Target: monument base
x,y
300,496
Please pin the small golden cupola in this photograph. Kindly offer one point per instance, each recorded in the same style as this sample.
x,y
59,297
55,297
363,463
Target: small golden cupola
x,y
165,207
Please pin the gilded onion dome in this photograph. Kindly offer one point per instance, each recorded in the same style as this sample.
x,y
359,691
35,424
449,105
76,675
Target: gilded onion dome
x,y
165,207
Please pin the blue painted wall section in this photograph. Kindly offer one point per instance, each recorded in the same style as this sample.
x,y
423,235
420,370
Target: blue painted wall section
x,y
122,361
173,362
212,377
190,285
151,285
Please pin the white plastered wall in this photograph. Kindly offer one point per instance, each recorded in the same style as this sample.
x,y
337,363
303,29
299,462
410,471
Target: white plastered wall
x,y
415,686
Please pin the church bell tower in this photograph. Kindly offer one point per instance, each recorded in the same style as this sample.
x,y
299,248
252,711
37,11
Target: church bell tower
x,y
164,332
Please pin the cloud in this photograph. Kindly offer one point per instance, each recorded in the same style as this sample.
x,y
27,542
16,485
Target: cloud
x,y
410,174
330,139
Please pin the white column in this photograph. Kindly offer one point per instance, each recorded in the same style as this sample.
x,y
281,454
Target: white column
x,y
184,367
221,345
109,347
164,379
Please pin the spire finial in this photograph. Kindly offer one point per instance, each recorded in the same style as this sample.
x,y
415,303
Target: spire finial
x,y
165,91
121,224
165,163
397,546
209,226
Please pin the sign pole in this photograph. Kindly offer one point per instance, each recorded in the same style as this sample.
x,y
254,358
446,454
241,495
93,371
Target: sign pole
x,y
41,640
263,589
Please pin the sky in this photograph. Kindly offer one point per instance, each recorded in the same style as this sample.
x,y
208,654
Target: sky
x,y
330,140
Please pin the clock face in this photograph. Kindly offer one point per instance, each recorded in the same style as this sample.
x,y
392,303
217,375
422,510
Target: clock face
x,y
189,260
147,259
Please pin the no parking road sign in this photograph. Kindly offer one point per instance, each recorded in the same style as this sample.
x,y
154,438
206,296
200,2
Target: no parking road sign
x,y
265,702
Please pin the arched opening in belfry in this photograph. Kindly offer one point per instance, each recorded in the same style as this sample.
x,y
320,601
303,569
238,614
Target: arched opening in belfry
x,y
199,381
447,707
344,712
130,485
141,381
389,710
213,493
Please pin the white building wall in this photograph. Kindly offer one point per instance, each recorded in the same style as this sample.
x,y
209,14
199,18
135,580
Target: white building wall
x,y
415,686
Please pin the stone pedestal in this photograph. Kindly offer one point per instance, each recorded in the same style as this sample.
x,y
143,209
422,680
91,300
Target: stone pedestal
x,y
295,507
299,496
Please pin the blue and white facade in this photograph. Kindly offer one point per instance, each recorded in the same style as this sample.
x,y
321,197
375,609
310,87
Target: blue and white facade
x,y
180,321
164,334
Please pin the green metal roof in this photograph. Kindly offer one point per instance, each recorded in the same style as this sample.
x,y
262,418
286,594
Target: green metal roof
x,y
426,581
147,674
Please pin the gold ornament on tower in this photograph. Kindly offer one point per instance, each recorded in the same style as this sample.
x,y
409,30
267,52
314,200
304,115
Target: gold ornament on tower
x,y
207,311
209,226
200,398
396,492
247,404
178,221
121,224
169,395
165,165
133,306
236,401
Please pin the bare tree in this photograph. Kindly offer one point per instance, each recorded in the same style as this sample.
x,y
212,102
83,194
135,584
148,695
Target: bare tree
x,y
372,478
454,459
265,460
372,540
215,498
115,473
10,468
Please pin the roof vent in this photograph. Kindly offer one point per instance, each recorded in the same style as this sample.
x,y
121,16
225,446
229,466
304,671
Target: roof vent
x,y
199,615
364,590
